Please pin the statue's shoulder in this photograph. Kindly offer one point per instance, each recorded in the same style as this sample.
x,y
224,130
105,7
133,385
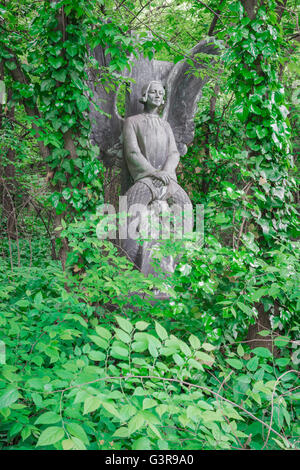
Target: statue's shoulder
x,y
134,119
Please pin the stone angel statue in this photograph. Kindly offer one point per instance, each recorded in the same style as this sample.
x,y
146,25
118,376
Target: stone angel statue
x,y
149,141
151,157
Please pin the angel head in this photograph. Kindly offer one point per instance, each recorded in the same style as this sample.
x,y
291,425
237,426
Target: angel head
x,y
153,94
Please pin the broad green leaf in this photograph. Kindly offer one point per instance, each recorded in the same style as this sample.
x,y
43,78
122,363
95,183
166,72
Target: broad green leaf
x,y
50,436
141,325
264,333
152,350
252,364
185,349
121,432
208,347
194,342
73,444
282,341
103,332
122,336
111,408
119,351
161,332
142,443
245,308
96,356
48,418
149,403
235,363
162,444
178,359
135,423
91,404
102,343
204,358
77,431
155,431
124,324
9,397
195,364
282,361
67,444
262,352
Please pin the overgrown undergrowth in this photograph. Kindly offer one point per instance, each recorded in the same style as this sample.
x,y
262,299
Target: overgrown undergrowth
x,y
79,376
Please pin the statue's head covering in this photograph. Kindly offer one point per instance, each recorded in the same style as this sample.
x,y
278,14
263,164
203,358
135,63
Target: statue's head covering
x,y
145,90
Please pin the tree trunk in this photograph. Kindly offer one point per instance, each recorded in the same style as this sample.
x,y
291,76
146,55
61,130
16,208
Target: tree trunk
x,y
8,180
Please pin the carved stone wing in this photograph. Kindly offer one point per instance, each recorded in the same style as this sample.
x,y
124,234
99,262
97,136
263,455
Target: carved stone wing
x,y
106,128
184,90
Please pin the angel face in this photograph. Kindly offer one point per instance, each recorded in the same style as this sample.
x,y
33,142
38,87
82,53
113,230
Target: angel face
x,y
155,95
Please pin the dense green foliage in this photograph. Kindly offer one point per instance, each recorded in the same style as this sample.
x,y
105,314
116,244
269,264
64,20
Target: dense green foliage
x,y
87,359
78,377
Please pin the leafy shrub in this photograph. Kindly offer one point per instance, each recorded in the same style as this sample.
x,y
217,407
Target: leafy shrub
x,y
73,380
221,287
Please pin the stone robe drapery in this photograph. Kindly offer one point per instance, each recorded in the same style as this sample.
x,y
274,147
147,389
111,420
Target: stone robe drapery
x,y
149,146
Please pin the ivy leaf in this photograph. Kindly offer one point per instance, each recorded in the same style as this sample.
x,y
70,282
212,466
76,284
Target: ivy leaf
x,y
72,49
55,36
60,75
46,85
56,62
82,103
10,65
245,308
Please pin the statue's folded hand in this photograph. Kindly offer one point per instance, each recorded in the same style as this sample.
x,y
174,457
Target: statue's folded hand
x,y
163,176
